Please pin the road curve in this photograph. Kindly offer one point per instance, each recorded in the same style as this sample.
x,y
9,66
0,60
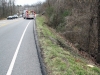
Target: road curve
x,y
17,42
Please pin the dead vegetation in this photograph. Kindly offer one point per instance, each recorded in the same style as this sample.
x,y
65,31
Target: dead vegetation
x,y
60,56
77,21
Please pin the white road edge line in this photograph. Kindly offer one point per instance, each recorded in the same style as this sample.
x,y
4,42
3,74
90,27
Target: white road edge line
x,y
16,52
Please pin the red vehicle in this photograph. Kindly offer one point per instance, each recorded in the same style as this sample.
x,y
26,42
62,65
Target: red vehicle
x,y
29,14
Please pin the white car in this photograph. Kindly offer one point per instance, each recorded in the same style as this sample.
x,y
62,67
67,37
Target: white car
x,y
15,16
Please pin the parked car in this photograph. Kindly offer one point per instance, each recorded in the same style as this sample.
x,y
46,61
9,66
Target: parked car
x,y
15,16
10,17
20,16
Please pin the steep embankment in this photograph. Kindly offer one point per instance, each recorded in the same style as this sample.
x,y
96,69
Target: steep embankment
x,y
60,57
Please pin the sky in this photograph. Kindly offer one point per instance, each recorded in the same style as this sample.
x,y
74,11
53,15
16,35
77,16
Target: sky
x,y
29,2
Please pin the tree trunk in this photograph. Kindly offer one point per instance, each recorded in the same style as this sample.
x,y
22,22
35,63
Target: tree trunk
x,y
98,18
98,23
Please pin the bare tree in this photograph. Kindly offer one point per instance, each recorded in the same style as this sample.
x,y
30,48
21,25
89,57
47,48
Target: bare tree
x,y
7,7
79,21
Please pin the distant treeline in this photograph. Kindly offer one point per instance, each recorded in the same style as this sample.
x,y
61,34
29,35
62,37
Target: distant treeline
x,y
7,7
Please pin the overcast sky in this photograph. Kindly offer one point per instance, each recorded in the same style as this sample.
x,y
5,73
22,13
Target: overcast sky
x,y
23,2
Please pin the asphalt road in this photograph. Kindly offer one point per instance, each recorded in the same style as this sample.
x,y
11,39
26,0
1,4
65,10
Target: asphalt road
x,y
18,54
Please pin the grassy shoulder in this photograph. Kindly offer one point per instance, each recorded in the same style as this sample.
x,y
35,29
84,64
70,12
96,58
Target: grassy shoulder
x,y
59,60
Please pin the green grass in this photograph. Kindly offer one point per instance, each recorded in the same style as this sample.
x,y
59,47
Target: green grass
x,y
61,61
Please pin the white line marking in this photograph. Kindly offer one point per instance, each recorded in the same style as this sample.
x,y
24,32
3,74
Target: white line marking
x,y
16,52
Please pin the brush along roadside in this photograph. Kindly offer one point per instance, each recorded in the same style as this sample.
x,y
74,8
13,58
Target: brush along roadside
x,y
58,56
